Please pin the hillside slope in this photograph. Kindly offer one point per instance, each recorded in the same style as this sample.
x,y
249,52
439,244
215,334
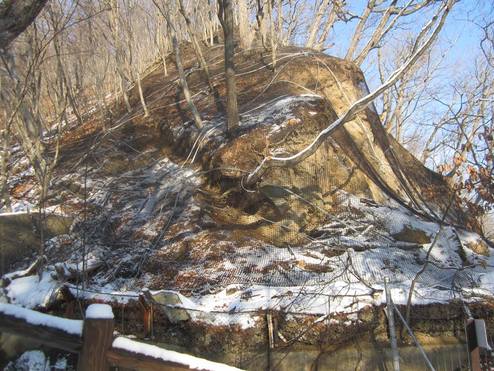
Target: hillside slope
x,y
161,205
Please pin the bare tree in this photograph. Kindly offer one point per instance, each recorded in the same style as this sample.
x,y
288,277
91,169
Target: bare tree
x,y
225,14
314,28
464,135
388,18
165,12
336,12
28,124
244,27
162,42
359,30
6,142
15,17
295,12
399,104
119,51
195,43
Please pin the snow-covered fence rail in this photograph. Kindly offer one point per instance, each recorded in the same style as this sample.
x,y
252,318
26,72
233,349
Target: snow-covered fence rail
x,y
60,333
133,354
94,341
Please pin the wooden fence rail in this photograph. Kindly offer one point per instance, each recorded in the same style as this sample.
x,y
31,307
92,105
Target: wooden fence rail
x,y
53,337
93,339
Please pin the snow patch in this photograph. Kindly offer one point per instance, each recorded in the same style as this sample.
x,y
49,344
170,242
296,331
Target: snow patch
x,y
99,311
31,291
19,207
276,112
168,355
33,360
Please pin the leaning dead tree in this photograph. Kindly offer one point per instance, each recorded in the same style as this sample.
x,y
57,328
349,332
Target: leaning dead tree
x,y
419,48
165,12
195,42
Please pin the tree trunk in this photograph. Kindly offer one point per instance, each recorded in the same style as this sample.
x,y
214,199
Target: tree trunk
x,y
226,17
262,22
178,60
123,90
357,35
315,25
183,82
279,27
271,34
378,34
119,56
327,27
195,43
141,95
245,31
4,170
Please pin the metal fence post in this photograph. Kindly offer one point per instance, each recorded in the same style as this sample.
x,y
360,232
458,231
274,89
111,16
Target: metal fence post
x,y
391,324
410,332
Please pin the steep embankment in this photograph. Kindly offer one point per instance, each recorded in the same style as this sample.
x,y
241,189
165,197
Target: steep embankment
x,y
160,204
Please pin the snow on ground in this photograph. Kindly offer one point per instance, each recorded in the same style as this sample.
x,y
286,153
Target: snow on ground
x,y
341,271
276,112
33,360
31,291
19,207
308,280
145,196
36,360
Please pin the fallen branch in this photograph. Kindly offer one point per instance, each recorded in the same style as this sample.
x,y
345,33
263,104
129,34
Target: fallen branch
x,y
33,269
66,272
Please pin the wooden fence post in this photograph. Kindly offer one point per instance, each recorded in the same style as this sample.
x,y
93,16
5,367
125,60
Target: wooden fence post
x,y
146,301
478,345
269,321
97,337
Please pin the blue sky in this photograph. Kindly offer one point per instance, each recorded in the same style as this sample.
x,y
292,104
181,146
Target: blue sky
x,y
458,47
459,38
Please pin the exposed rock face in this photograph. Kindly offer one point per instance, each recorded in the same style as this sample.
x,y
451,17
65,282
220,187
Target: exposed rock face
x,y
409,234
20,237
309,92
